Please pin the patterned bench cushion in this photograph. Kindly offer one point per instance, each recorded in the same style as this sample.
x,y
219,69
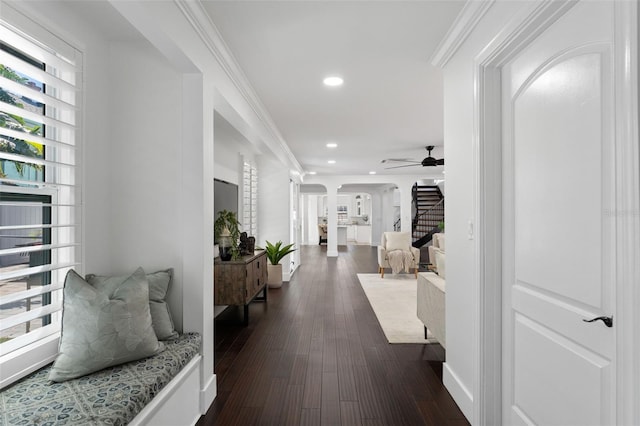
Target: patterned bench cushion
x,y
112,396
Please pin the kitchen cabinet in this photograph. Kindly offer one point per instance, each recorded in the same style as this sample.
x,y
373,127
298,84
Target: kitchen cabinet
x,y
351,232
363,234
344,208
342,235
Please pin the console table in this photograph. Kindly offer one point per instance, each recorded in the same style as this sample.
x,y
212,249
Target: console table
x,y
238,282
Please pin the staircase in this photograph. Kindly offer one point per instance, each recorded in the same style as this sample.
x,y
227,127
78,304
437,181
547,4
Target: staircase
x,y
429,205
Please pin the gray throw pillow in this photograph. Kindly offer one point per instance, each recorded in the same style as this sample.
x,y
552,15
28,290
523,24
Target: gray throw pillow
x,y
103,328
159,283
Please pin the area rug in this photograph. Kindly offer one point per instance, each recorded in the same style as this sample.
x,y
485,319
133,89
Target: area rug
x,y
393,299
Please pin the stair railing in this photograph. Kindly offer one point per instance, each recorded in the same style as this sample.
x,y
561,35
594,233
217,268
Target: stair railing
x,y
434,210
428,221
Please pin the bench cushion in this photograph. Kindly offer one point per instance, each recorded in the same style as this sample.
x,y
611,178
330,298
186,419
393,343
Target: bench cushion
x,y
111,396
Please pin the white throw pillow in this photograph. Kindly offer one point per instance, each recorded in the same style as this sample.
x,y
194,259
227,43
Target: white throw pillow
x,y
440,238
440,265
398,241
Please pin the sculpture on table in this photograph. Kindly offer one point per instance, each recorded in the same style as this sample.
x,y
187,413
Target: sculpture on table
x,y
247,244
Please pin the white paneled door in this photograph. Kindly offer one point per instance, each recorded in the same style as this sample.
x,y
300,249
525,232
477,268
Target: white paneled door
x,y
558,233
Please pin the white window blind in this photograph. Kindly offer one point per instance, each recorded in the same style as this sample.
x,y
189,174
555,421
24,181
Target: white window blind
x,y
39,186
250,200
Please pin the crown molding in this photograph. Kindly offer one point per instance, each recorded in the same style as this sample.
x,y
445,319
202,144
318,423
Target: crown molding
x,y
460,30
200,21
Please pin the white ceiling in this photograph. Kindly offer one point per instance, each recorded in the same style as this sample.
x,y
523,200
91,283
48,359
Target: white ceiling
x,y
101,17
391,105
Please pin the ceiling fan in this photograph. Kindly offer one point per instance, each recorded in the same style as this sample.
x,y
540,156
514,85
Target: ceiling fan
x,y
428,161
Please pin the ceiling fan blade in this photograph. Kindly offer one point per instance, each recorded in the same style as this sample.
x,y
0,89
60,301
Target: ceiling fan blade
x,y
406,165
440,162
404,160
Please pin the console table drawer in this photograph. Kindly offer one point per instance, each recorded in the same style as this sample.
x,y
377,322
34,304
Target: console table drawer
x,y
238,282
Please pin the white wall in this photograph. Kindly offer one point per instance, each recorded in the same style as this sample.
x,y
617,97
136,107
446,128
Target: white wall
x,y
377,218
459,369
295,232
228,162
311,219
146,167
274,206
230,149
97,195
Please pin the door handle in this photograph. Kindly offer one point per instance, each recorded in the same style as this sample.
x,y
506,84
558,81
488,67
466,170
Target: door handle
x,y
608,321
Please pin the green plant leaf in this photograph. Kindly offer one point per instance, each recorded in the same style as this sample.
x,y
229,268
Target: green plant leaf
x,y
276,252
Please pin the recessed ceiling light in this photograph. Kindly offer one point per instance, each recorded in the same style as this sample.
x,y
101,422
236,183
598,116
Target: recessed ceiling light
x,y
332,145
333,81
312,173
331,161
372,173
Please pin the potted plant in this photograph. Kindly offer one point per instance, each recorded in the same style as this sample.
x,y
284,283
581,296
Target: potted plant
x,y
275,253
227,231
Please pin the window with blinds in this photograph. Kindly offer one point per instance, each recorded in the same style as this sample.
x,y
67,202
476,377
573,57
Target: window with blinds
x,y
250,200
39,185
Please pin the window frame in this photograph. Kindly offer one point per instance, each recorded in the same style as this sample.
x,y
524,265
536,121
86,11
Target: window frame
x,y
62,172
250,199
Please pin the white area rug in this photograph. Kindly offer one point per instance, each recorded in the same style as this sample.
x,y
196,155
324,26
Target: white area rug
x,y
393,299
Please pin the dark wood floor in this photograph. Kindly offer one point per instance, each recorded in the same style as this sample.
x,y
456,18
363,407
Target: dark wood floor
x,y
316,355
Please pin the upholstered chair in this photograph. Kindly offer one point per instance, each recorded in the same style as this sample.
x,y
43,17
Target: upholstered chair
x,y
322,232
391,241
437,245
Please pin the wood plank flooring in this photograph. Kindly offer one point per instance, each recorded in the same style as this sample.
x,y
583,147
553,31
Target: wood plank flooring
x,y
316,355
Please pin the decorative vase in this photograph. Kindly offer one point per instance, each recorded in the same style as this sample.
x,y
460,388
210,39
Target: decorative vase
x,y
225,247
274,275
225,253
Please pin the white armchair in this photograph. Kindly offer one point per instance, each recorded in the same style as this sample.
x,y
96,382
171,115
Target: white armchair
x,y
437,246
397,241
432,292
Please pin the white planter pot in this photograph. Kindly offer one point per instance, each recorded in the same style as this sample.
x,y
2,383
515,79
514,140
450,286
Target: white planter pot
x,y
274,275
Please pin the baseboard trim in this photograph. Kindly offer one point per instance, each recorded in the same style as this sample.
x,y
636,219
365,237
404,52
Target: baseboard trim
x,y
458,391
208,394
